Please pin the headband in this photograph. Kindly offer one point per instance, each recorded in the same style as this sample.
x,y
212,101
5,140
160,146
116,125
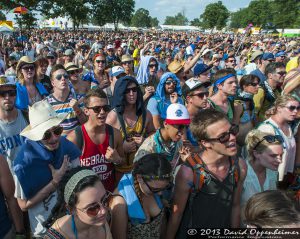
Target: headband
x,y
222,79
74,180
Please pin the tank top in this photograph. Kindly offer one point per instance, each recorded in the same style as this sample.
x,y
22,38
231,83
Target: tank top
x,y
94,156
229,112
5,221
211,206
130,131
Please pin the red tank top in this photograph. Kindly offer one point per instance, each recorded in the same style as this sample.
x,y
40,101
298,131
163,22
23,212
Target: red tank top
x,y
93,156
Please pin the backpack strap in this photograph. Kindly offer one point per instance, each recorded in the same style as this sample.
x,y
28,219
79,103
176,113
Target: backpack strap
x,y
144,117
122,123
111,135
25,114
79,137
236,169
197,165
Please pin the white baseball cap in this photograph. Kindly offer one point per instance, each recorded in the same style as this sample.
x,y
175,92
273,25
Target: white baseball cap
x,y
109,47
117,70
123,45
177,114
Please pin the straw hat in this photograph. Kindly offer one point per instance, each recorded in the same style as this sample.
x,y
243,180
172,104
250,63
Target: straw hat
x,y
41,117
24,60
175,66
126,57
72,67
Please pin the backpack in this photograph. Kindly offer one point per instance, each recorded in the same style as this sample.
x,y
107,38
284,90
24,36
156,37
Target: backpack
x,y
79,136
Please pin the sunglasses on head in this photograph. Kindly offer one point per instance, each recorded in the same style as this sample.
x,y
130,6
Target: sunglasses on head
x,y
201,95
153,65
270,139
27,68
234,130
92,211
282,73
128,90
60,76
169,82
99,108
100,61
56,131
157,190
8,92
293,107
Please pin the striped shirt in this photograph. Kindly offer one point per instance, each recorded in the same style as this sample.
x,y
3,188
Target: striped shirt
x,y
71,121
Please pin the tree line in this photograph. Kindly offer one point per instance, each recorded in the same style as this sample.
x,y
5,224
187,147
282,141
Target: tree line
x,y
264,13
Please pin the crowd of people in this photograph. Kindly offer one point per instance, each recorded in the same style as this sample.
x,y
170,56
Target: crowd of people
x,y
147,134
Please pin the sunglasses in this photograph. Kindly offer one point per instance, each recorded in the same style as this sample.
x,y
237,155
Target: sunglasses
x,y
169,82
270,139
99,108
126,62
234,130
293,107
231,61
153,65
8,92
128,90
60,76
157,190
27,68
73,72
282,73
56,131
51,57
201,95
100,61
254,84
93,210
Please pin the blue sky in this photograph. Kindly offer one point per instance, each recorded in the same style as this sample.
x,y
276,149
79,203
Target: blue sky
x,y
192,8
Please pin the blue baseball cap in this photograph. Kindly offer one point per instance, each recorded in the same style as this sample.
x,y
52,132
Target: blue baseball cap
x,y
279,54
200,68
268,56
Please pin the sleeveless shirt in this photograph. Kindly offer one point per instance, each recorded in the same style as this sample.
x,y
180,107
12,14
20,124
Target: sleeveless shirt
x,y
93,156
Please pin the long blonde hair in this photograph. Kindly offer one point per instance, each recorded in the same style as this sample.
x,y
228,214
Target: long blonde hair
x,y
280,102
20,75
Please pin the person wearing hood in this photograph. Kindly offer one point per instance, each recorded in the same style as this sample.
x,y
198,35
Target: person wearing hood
x,y
132,119
146,76
167,92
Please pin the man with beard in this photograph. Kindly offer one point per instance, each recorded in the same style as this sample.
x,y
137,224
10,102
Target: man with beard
x,y
12,121
224,86
101,144
209,185
167,92
41,163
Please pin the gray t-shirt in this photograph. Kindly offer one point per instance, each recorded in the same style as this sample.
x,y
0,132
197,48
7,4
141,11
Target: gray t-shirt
x,y
10,139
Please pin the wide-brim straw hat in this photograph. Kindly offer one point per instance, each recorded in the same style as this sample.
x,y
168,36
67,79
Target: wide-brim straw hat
x,y
23,61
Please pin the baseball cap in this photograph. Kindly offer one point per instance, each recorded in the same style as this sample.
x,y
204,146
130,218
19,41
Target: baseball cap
x,y
68,52
193,84
51,54
123,45
200,68
279,54
206,51
268,56
109,47
256,54
4,81
177,114
116,70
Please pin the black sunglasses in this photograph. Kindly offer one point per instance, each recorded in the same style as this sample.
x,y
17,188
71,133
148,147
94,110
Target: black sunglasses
x,y
157,190
153,65
100,61
56,131
293,107
282,73
234,130
169,82
201,95
60,76
270,139
27,68
99,108
126,62
253,84
128,90
73,72
8,92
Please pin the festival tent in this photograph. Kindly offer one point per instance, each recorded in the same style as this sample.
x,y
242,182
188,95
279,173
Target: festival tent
x,y
5,28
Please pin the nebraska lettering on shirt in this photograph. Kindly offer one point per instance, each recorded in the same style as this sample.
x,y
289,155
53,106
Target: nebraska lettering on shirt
x,y
94,160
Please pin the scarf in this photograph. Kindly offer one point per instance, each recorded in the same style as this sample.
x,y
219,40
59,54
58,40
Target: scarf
x,y
270,96
162,148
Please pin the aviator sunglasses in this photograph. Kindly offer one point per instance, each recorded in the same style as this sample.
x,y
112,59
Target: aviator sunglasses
x,y
99,108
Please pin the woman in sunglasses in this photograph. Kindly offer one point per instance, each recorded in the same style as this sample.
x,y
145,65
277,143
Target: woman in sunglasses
x,y
139,213
83,195
42,65
278,121
29,89
98,76
245,113
263,159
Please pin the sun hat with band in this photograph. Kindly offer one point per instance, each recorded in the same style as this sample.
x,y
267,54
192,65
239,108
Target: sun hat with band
x,y
41,117
24,61
177,114
126,58
72,67
4,81
175,66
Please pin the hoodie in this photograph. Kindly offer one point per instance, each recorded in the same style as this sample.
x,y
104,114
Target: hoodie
x,y
143,72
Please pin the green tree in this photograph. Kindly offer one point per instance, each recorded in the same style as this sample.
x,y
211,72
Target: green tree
x,y
240,18
141,18
113,11
27,20
195,22
178,19
154,22
259,12
215,15
287,13
2,16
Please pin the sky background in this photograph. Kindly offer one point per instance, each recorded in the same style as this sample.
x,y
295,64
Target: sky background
x,y
192,8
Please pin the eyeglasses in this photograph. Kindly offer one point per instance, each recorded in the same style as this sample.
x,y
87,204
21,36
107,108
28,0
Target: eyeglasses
x,y
93,210
157,190
51,57
254,84
8,92
100,61
128,90
73,72
201,95
126,62
234,130
293,107
169,82
99,108
27,68
282,73
56,131
60,76
231,61
153,65
270,139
